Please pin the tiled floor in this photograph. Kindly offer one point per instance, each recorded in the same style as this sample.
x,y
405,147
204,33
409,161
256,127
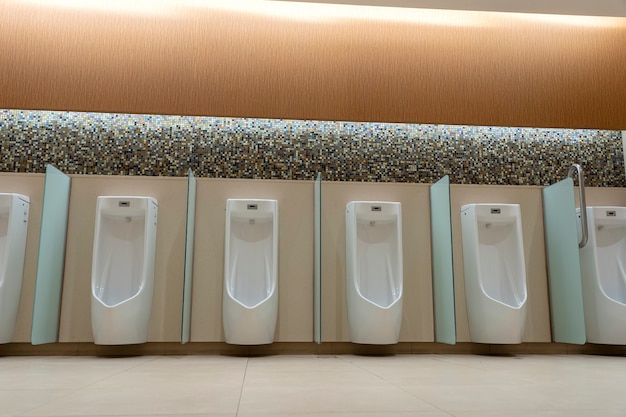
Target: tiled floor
x,y
314,386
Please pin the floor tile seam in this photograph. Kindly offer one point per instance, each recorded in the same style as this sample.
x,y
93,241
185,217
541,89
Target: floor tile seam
x,y
473,368
72,391
466,366
243,383
529,380
449,361
424,400
399,387
148,360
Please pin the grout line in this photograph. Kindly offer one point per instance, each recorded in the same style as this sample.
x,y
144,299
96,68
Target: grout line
x,y
75,390
243,381
397,386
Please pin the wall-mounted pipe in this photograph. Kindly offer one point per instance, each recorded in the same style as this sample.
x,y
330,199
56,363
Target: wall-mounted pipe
x,y
573,170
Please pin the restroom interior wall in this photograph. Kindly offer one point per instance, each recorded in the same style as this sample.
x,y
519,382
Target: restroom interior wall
x,y
530,201
295,323
32,186
423,67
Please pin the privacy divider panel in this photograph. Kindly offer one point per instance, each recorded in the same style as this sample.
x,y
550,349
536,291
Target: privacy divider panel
x,y
564,275
317,268
442,262
51,258
220,147
189,253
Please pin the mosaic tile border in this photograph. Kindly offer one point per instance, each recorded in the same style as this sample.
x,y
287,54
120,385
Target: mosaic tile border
x,y
155,145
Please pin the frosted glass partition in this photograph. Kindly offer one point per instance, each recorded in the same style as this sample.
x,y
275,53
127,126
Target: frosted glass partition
x,y
188,275
317,298
50,262
443,272
563,259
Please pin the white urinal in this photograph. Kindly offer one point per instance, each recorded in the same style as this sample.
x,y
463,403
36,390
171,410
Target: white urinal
x,y
122,272
495,272
250,301
13,228
374,271
603,267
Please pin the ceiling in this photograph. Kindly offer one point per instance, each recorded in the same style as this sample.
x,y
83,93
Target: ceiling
x,y
562,7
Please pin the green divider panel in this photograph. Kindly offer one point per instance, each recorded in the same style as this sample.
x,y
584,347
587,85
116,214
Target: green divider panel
x,y
317,287
443,271
51,259
188,275
563,259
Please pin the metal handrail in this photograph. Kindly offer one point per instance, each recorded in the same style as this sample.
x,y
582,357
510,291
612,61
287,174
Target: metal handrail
x,y
575,168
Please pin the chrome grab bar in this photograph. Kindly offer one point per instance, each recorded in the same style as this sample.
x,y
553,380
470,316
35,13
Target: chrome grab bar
x,y
575,168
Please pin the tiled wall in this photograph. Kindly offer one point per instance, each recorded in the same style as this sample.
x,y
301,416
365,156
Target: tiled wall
x,y
125,144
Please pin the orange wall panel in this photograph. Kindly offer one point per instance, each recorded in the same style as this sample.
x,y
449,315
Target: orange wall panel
x,y
502,69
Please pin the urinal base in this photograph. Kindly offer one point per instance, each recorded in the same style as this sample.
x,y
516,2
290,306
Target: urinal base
x,y
495,324
118,338
126,324
250,326
498,342
610,335
374,342
611,342
496,338
371,325
247,343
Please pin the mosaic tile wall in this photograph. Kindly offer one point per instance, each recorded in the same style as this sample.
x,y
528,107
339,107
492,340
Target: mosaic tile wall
x,y
124,144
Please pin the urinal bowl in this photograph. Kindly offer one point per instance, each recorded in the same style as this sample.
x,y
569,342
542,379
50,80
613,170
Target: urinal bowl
x,y
123,269
374,272
13,229
250,296
603,269
495,273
